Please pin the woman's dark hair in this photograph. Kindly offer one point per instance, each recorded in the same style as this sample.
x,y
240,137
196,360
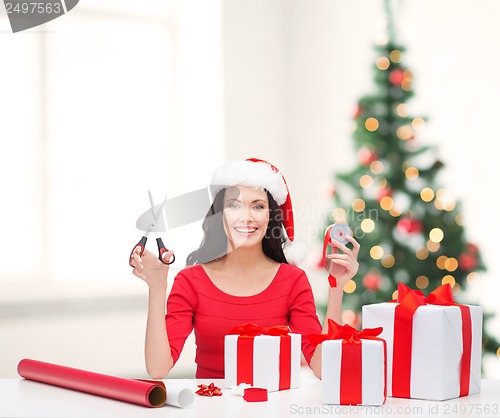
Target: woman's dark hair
x,y
214,242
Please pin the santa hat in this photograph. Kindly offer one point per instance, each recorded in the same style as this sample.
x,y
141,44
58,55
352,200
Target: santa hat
x,y
263,175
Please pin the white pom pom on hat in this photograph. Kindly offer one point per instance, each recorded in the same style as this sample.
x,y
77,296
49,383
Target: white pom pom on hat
x,y
295,252
261,174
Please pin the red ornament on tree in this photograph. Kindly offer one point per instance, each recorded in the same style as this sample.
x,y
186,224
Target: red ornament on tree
x,y
367,156
384,192
409,226
372,281
467,261
396,76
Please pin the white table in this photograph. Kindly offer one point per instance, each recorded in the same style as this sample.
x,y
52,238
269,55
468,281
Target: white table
x,y
26,399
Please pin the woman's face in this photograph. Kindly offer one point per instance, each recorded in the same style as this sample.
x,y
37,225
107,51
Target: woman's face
x,y
246,216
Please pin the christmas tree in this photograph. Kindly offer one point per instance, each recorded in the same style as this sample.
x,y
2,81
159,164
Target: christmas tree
x,y
409,227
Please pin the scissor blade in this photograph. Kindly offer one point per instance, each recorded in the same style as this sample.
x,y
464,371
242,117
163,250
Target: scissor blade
x,y
159,213
152,204
152,220
147,222
179,211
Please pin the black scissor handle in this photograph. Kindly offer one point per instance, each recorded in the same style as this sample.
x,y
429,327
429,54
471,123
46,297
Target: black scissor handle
x,y
162,250
141,244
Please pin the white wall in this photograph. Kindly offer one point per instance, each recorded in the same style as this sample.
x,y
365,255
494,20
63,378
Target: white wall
x,y
255,79
117,97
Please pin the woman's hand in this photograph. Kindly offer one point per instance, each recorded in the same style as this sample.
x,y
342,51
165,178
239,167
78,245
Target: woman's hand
x,y
148,268
157,348
343,266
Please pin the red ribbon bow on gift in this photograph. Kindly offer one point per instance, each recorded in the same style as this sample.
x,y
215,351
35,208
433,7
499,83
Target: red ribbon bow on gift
x,y
252,330
247,332
351,367
344,332
409,301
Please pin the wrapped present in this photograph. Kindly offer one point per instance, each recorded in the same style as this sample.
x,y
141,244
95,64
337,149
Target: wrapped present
x,y
433,344
267,358
353,369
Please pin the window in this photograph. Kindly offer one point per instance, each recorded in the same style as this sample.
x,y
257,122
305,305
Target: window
x,y
98,106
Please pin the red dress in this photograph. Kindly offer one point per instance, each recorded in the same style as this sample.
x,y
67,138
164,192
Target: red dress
x,y
195,302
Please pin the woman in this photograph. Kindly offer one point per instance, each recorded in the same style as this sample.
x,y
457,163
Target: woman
x,y
239,274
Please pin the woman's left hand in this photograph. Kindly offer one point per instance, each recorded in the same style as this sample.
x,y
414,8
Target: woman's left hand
x,y
343,266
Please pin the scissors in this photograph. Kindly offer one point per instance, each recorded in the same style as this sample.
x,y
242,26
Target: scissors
x,y
152,227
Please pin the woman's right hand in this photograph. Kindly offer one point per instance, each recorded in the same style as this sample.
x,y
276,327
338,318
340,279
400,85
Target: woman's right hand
x,y
148,268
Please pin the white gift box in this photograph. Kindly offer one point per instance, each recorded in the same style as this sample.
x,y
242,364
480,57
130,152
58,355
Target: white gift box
x,y
436,348
372,377
266,361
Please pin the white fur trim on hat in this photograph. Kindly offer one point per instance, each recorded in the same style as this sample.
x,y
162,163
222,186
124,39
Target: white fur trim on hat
x,y
253,174
295,252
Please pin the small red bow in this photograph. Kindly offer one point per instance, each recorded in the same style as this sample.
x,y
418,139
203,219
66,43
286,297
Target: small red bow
x,y
253,330
210,390
343,332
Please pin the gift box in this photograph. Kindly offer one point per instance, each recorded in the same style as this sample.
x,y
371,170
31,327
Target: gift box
x,y
266,358
433,344
353,369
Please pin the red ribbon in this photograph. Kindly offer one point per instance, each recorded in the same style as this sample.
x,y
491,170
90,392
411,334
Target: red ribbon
x,y
326,241
254,330
409,301
244,367
351,367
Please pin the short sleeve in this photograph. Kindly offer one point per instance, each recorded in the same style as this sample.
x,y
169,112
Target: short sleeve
x,y
302,312
181,305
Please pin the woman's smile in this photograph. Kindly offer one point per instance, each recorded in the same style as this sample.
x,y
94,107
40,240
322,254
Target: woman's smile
x,y
246,231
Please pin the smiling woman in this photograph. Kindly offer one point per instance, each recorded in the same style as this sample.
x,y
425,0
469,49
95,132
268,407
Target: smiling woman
x,y
241,273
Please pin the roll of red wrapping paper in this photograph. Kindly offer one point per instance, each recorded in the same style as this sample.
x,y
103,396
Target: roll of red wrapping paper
x,y
128,390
